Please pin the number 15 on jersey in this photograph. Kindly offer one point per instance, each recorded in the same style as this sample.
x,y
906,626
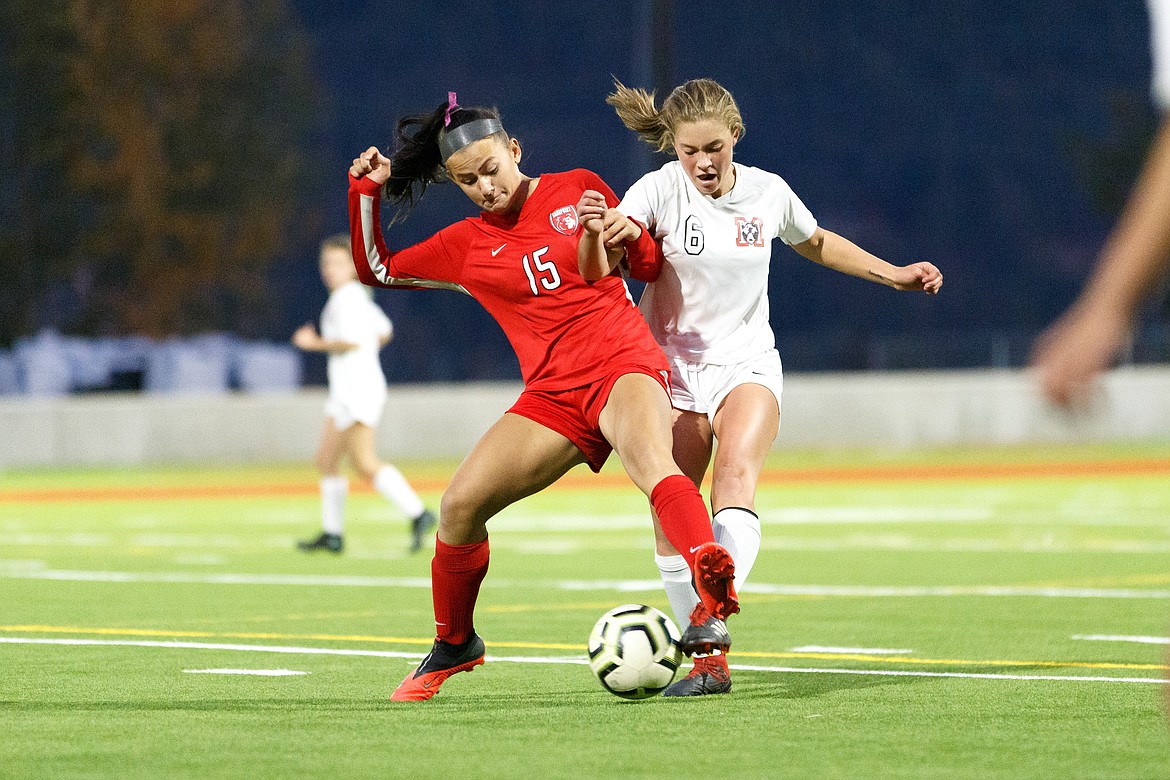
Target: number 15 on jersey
x,y
546,271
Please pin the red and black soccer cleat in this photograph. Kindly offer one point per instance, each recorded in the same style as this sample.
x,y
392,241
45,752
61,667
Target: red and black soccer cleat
x,y
705,634
444,660
710,675
714,578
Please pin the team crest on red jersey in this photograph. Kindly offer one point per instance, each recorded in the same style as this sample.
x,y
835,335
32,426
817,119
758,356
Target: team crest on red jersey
x,y
564,220
749,232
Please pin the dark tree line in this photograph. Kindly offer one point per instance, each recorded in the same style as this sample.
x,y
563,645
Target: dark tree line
x,y
158,158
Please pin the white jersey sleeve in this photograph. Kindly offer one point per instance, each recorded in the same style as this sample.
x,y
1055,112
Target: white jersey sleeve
x,y
642,201
1160,51
795,224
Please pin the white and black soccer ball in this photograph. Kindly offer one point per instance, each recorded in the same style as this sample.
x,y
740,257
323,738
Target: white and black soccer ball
x,y
634,651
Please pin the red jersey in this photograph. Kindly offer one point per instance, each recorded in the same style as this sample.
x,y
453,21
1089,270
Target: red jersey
x,y
523,269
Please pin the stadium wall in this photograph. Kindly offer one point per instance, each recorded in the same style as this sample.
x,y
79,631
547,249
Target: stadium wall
x,y
899,409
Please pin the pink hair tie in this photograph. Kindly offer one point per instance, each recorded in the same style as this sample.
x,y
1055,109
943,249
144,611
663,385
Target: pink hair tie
x,y
451,106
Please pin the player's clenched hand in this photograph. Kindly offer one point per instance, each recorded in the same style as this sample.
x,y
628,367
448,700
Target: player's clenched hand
x,y
919,276
618,229
591,210
371,164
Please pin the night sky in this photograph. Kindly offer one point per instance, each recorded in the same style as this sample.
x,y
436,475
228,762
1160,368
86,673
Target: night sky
x,y
975,135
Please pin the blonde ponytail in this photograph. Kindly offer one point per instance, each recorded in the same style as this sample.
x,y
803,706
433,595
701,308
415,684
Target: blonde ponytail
x,y
696,100
635,107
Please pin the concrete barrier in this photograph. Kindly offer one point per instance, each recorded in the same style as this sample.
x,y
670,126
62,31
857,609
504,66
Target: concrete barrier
x,y
897,410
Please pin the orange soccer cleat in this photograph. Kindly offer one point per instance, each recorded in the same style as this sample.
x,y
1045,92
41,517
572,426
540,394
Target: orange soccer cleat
x,y
444,660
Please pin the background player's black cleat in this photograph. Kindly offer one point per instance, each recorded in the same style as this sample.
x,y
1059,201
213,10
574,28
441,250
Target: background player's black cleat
x,y
330,542
420,527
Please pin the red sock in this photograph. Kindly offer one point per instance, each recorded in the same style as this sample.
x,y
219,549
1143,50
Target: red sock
x,y
683,515
456,573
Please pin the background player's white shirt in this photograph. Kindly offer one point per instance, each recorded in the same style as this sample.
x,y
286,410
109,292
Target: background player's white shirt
x,y
710,304
350,315
1160,47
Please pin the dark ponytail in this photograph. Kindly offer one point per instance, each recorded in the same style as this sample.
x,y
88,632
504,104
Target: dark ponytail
x,y
417,161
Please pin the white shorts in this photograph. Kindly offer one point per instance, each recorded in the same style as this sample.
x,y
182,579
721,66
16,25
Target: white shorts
x,y
701,387
354,408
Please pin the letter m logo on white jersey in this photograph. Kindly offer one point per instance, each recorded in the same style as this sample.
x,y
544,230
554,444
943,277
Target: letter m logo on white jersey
x,y
749,232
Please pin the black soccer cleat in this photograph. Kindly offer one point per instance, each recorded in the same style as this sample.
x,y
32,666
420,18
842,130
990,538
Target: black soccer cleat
x,y
710,676
420,527
705,633
326,541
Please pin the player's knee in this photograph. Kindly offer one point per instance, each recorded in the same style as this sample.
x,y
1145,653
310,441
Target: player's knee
x,y
367,469
461,514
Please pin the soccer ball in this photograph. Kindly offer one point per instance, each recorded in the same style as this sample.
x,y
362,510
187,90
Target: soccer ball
x,y
634,651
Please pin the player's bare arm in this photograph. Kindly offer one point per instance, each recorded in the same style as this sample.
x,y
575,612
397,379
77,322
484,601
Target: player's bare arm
x,y
307,338
592,258
839,253
615,229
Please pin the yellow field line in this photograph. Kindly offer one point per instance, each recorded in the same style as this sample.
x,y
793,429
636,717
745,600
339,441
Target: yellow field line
x,y
577,647
577,605
1101,582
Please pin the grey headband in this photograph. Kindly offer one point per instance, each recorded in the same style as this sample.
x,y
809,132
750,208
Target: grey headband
x,y
451,141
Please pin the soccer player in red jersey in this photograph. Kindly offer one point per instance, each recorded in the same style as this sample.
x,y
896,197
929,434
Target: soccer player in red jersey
x,y
595,381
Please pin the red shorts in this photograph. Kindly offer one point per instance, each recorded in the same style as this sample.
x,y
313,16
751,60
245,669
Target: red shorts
x,y
575,413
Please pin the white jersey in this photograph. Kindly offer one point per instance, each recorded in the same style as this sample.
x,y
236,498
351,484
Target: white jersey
x,y
1160,48
350,315
710,303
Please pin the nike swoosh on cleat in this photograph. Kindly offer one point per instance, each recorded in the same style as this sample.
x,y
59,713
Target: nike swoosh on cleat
x,y
500,249
693,549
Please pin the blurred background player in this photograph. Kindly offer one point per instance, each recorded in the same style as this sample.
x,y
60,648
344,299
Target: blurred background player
x,y
353,330
594,379
707,306
1085,339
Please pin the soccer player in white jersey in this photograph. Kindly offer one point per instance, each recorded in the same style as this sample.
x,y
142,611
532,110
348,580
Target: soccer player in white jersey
x,y
707,306
1131,265
353,330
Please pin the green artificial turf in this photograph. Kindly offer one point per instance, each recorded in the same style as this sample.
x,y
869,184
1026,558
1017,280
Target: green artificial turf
x,y
985,577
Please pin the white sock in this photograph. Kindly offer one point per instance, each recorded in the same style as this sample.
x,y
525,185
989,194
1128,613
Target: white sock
x,y
333,490
738,530
394,488
676,578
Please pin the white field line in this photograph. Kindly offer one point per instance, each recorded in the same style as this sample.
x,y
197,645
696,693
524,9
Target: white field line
x,y
520,520
199,541
555,545
572,660
1145,640
901,543
960,675
255,672
25,570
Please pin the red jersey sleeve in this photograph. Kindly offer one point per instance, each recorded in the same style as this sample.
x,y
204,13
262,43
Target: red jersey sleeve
x,y
644,257
436,262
